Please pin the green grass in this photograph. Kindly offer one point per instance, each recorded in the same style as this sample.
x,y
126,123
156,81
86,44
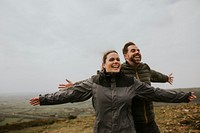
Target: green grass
x,y
17,110
179,118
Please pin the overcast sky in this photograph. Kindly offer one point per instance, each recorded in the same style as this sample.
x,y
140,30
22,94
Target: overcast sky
x,y
43,42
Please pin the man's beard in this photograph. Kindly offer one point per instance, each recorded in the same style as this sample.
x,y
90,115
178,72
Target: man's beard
x,y
135,61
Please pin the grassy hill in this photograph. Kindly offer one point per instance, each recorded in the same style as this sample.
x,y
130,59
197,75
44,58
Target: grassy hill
x,y
181,118
17,116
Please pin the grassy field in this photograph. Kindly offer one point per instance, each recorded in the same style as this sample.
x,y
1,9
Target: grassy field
x,y
17,116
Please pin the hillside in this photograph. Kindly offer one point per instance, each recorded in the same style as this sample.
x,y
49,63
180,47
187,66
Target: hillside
x,y
182,118
17,117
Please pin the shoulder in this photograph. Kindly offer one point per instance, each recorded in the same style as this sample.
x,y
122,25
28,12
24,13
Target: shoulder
x,y
144,66
94,77
125,65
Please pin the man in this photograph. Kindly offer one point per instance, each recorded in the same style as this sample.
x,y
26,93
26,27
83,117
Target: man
x,y
143,113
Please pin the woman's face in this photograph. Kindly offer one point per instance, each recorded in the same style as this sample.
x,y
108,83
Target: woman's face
x,y
112,63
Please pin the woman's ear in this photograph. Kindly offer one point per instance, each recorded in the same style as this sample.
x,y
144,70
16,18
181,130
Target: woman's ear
x,y
102,66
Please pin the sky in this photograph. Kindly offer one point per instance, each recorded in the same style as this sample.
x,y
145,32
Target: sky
x,y
43,42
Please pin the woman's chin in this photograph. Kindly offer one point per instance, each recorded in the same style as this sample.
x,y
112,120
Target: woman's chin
x,y
116,71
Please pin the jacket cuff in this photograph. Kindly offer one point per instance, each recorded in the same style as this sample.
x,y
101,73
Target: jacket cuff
x,y
42,99
189,94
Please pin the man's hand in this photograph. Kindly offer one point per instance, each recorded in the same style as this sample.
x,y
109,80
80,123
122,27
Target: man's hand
x,y
65,86
170,79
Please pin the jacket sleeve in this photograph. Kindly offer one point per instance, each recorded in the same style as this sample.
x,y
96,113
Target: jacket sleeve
x,y
77,93
81,81
158,77
155,76
144,91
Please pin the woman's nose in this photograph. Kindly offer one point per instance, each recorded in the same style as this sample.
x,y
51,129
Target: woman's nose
x,y
116,61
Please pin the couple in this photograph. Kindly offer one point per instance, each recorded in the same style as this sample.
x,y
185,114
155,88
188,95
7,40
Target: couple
x,y
112,94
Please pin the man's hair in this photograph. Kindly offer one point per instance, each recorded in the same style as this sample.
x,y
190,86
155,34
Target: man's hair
x,y
125,48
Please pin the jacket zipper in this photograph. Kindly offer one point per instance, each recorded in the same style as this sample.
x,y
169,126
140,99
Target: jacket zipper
x,y
145,113
113,85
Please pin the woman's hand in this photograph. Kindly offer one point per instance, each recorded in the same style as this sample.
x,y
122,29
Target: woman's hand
x,y
34,101
65,86
192,97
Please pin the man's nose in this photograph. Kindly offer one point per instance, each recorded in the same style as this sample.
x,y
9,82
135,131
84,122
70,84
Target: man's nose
x,y
137,51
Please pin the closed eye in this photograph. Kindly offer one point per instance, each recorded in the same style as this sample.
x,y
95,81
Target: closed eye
x,y
112,59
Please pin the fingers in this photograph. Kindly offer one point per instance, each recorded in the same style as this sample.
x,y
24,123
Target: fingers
x,y
192,97
70,82
34,101
64,86
170,78
170,75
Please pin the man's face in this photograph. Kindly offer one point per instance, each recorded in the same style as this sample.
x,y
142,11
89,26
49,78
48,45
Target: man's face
x,y
133,55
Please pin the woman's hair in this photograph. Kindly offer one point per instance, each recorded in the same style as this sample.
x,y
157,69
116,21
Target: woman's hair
x,y
105,56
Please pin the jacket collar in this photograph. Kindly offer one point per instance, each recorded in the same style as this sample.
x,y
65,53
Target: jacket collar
x,y
109,75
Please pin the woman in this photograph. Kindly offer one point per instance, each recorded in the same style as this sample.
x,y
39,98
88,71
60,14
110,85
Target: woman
x,y
112,93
